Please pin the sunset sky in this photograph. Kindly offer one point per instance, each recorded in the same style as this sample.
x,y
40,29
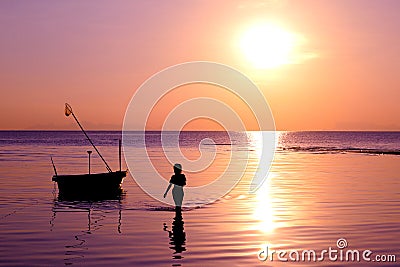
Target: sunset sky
x,y
340,70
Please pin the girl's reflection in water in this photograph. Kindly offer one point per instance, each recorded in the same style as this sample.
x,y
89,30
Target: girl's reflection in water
x,y
177,235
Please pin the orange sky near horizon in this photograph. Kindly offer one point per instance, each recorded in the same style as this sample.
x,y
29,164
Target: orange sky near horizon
x,y
95,54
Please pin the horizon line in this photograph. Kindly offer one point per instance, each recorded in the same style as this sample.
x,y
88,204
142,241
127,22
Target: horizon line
x,y
104,130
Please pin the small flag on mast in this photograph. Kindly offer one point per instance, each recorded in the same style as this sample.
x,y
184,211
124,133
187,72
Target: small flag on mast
x,y
68,109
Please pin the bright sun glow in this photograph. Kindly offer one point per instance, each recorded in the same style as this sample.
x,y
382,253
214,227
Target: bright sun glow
x,y
268,46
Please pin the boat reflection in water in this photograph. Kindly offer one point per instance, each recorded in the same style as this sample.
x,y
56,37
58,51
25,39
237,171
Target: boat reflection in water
x,y
68,219
177,236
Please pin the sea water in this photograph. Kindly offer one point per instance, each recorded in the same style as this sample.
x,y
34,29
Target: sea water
x,y
323,188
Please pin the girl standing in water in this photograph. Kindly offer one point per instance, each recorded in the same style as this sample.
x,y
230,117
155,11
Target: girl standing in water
x,y
179,181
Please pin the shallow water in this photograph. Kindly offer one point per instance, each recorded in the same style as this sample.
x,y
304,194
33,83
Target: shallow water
x,y
310,200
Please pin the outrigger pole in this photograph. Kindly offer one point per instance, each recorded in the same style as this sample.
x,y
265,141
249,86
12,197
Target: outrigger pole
x,y
68,111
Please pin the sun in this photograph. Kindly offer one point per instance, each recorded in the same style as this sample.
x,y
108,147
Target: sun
x,y
268,46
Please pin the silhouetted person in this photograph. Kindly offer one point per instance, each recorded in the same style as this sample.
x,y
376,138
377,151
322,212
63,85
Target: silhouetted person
x,y
179,181
177,236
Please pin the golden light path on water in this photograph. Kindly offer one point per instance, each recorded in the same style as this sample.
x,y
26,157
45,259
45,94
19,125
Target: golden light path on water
x,y
264,211
263,208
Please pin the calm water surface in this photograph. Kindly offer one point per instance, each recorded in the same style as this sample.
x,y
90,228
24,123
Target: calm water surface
x,y
322,186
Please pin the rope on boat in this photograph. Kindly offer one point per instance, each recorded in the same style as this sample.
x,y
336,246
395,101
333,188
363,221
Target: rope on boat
x,y
68,111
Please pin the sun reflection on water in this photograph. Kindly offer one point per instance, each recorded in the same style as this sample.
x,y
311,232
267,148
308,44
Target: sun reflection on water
x,y
264,211
263,208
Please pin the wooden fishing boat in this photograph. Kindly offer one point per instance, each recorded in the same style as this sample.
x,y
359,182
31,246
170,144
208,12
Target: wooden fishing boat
x,y
90,185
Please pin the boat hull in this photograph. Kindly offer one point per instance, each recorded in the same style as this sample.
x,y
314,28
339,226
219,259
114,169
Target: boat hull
x,y
90,186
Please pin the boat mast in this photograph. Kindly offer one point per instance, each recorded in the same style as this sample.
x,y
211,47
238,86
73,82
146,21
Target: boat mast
x,y
68,111
119,153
